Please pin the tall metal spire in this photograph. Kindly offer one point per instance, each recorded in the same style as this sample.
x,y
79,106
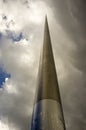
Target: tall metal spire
x,y
47,112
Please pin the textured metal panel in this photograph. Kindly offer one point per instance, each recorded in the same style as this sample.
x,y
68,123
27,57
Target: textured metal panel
x,y
47,115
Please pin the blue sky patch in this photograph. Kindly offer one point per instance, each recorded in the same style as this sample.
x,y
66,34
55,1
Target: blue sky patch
x,y
3,75
20,36
15,37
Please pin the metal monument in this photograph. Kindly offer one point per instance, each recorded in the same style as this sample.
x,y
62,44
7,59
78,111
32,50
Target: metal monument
x,y
47,111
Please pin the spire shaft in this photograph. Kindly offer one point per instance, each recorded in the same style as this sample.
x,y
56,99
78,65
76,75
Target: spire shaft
x,y
47,87
47,112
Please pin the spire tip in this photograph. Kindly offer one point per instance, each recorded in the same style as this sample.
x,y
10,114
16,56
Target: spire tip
x,y
46,17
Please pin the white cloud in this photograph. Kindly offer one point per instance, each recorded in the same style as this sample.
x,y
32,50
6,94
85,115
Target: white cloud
x,y
9,87
19,16
19,60
4,126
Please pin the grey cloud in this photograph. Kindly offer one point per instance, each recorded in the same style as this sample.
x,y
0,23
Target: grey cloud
x,y
16,106
71,16
69,43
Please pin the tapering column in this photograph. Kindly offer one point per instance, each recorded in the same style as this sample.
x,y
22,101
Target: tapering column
x,y
47,111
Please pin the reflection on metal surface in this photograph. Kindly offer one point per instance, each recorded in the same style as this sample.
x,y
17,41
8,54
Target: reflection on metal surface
x,y
47,115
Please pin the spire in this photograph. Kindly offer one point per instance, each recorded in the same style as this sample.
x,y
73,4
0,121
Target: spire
x,y
47,87
47,112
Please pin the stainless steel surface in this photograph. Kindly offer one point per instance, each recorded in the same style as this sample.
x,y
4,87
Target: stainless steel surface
x,y
47,115
47,87
47,112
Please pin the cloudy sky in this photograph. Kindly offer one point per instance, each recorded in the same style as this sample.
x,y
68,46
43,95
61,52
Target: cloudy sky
x,y
21,38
